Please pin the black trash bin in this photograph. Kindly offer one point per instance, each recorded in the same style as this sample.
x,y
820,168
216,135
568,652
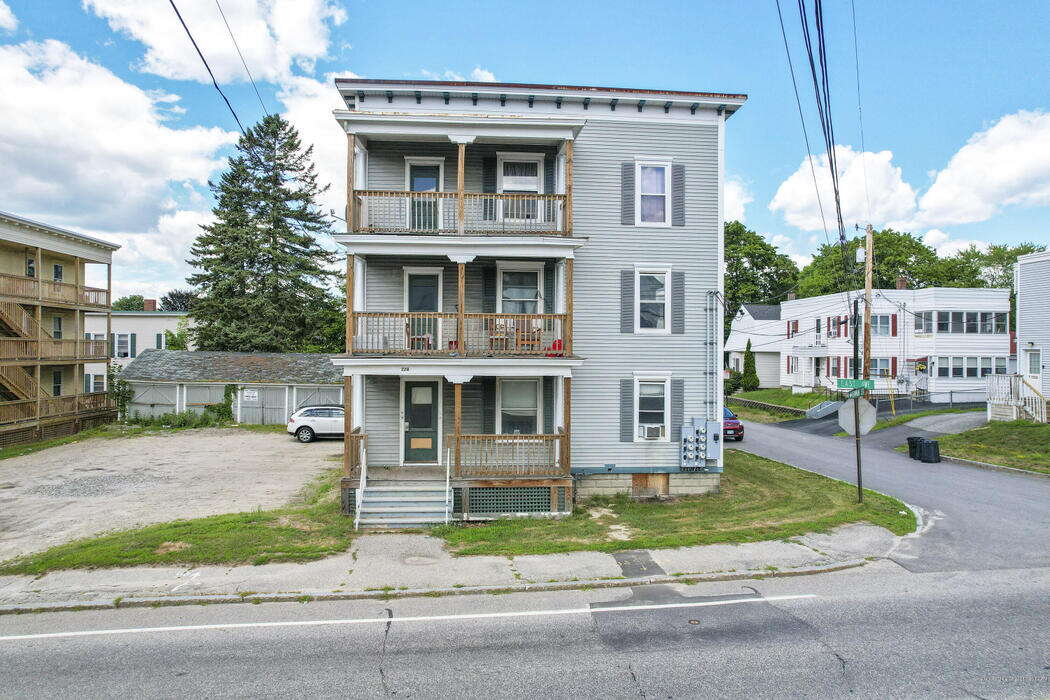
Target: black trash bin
x,y
913,447
930,451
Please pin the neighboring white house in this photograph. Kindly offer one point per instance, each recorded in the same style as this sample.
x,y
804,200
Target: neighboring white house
x,y
131,333
935,340
761,324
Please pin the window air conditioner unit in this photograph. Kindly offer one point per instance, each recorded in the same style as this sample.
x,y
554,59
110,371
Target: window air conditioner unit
x,y
652,432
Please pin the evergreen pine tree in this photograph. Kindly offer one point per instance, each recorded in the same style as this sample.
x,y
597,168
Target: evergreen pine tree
x,y
749,382
261,275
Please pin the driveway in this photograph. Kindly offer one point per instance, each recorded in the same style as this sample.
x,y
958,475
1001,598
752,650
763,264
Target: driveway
x,y
83,488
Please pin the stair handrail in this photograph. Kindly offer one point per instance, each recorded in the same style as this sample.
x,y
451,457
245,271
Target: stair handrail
x,y
1032,401
360,495
448,484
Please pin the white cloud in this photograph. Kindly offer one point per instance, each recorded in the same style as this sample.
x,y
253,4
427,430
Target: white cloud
x,y
737,197
786,245
274,36
82,148
8,21
946,246
1007,164
478,75
481,75
892,199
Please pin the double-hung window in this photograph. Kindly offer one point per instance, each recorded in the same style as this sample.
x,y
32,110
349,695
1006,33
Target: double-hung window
x,y
30,267
652,193
944,322
924,322
944,366
880,366
1000,322
1035,362
971,366
519,407
56,382
56,327
652,289
1000,365
880,324
957,367
957,322
520,173
652,409
520,288
58,272
123,345
972,324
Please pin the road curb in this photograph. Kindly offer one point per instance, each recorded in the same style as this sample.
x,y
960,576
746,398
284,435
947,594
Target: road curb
x,y
989,465
116,602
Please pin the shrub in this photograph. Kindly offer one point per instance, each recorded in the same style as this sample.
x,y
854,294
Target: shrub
x,y
732,384
749,380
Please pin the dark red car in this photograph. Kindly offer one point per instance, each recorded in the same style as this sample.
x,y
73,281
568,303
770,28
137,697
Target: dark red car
x,y
732,428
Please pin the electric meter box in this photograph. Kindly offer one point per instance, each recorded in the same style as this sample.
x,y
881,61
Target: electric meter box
x,y
701,446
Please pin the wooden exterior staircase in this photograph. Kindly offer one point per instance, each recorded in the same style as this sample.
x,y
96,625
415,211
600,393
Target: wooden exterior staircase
x,y
20,383
20,322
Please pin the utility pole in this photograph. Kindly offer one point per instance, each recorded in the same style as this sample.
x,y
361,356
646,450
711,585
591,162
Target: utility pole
x,y
856,399
869,257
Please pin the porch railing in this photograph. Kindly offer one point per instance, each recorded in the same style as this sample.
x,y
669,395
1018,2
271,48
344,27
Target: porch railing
x,y
396,211
509,455
1015,390
51,290
355,453
26,409
425,333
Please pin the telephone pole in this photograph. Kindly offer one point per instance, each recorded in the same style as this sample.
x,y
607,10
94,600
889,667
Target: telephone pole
x,y
869,246
856,400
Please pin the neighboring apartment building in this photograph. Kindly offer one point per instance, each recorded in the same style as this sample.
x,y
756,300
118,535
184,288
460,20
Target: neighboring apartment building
x,y
43,352
533,274
130,333
939,340
759,323
1025,395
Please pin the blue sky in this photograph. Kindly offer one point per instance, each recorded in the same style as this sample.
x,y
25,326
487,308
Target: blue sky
x,y
115,130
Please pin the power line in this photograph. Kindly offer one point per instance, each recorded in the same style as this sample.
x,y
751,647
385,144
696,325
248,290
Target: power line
x,y
243,62
206,66
860,112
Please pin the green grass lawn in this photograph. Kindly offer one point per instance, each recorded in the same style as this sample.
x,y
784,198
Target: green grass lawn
x,y
760,500
908,417
758,415
1017,444
783,397
312,528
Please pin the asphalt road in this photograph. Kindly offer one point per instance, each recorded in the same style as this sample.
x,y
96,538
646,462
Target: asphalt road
x,y
977,519
872,632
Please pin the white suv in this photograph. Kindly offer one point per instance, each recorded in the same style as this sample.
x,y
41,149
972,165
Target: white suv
x,y
311,422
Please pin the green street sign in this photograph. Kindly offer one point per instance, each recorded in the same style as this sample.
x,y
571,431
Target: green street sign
x,y
855,394
856,384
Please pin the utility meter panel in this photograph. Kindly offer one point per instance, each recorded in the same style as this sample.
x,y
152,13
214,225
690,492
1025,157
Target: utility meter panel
x,y
701,446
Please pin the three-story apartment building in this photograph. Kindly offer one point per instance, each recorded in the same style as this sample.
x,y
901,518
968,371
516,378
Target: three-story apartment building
x,y
43,351
532,280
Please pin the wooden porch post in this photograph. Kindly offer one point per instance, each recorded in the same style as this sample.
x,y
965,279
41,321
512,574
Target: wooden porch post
x,y
566,452
351,142
460,179
568,188
350,304
568,306
458,425
109,319
461,320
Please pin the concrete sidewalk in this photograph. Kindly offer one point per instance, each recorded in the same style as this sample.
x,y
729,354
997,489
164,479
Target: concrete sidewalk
x,y
394,562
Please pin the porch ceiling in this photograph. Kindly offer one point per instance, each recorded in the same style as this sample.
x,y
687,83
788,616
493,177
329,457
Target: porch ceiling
x,y
458,370
399,126
462,248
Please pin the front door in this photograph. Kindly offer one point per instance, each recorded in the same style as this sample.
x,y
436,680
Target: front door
x,y
421,421
424,212
422,296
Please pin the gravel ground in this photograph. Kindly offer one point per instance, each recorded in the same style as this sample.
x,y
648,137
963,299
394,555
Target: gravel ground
x,y
84,488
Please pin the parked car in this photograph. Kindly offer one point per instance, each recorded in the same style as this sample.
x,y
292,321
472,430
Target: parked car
x,y
311,422
731,425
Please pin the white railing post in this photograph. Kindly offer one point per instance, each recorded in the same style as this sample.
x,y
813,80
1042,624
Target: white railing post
x,y
448,482
362,481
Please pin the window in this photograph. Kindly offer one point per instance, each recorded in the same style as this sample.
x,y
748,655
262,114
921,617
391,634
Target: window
x,y
651,409
943,366
1000,365
986,366
818,327
98,383
957,367
943,322
519,288
519,407
56,382
519,173
880,366
651,289
987,322
971,366
56,327
957,322
1035,362
1000,322
123,345
159,340
836,367
792,328
30,267
653,194
425,175
972,325
880,324
924,322
792,364
58,272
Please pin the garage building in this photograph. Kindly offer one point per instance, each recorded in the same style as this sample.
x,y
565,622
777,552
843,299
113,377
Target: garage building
x,y
269,386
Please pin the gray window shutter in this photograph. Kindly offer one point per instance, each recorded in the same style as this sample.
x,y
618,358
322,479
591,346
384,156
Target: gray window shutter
x,y
488,289
112,344
132,353
678,194
488,185
160,341
626,410
87,383
677,408
548,287
488,405
548,405
627,193
548,184
627,301
677,302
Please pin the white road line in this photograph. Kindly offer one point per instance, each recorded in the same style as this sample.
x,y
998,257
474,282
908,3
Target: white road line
x,y
385,620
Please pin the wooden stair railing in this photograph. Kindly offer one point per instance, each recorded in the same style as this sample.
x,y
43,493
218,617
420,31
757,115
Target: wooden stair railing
x,y
20,383
19,320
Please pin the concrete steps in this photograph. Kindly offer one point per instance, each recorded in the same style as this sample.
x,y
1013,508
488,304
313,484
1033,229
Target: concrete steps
x,y
404,505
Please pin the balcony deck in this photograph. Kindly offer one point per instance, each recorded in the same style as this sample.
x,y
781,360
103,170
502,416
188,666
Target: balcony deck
x,y
449,213
53,406
67,349
34,290
438,334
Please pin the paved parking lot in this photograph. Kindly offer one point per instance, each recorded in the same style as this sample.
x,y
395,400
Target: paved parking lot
x,y
84,488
